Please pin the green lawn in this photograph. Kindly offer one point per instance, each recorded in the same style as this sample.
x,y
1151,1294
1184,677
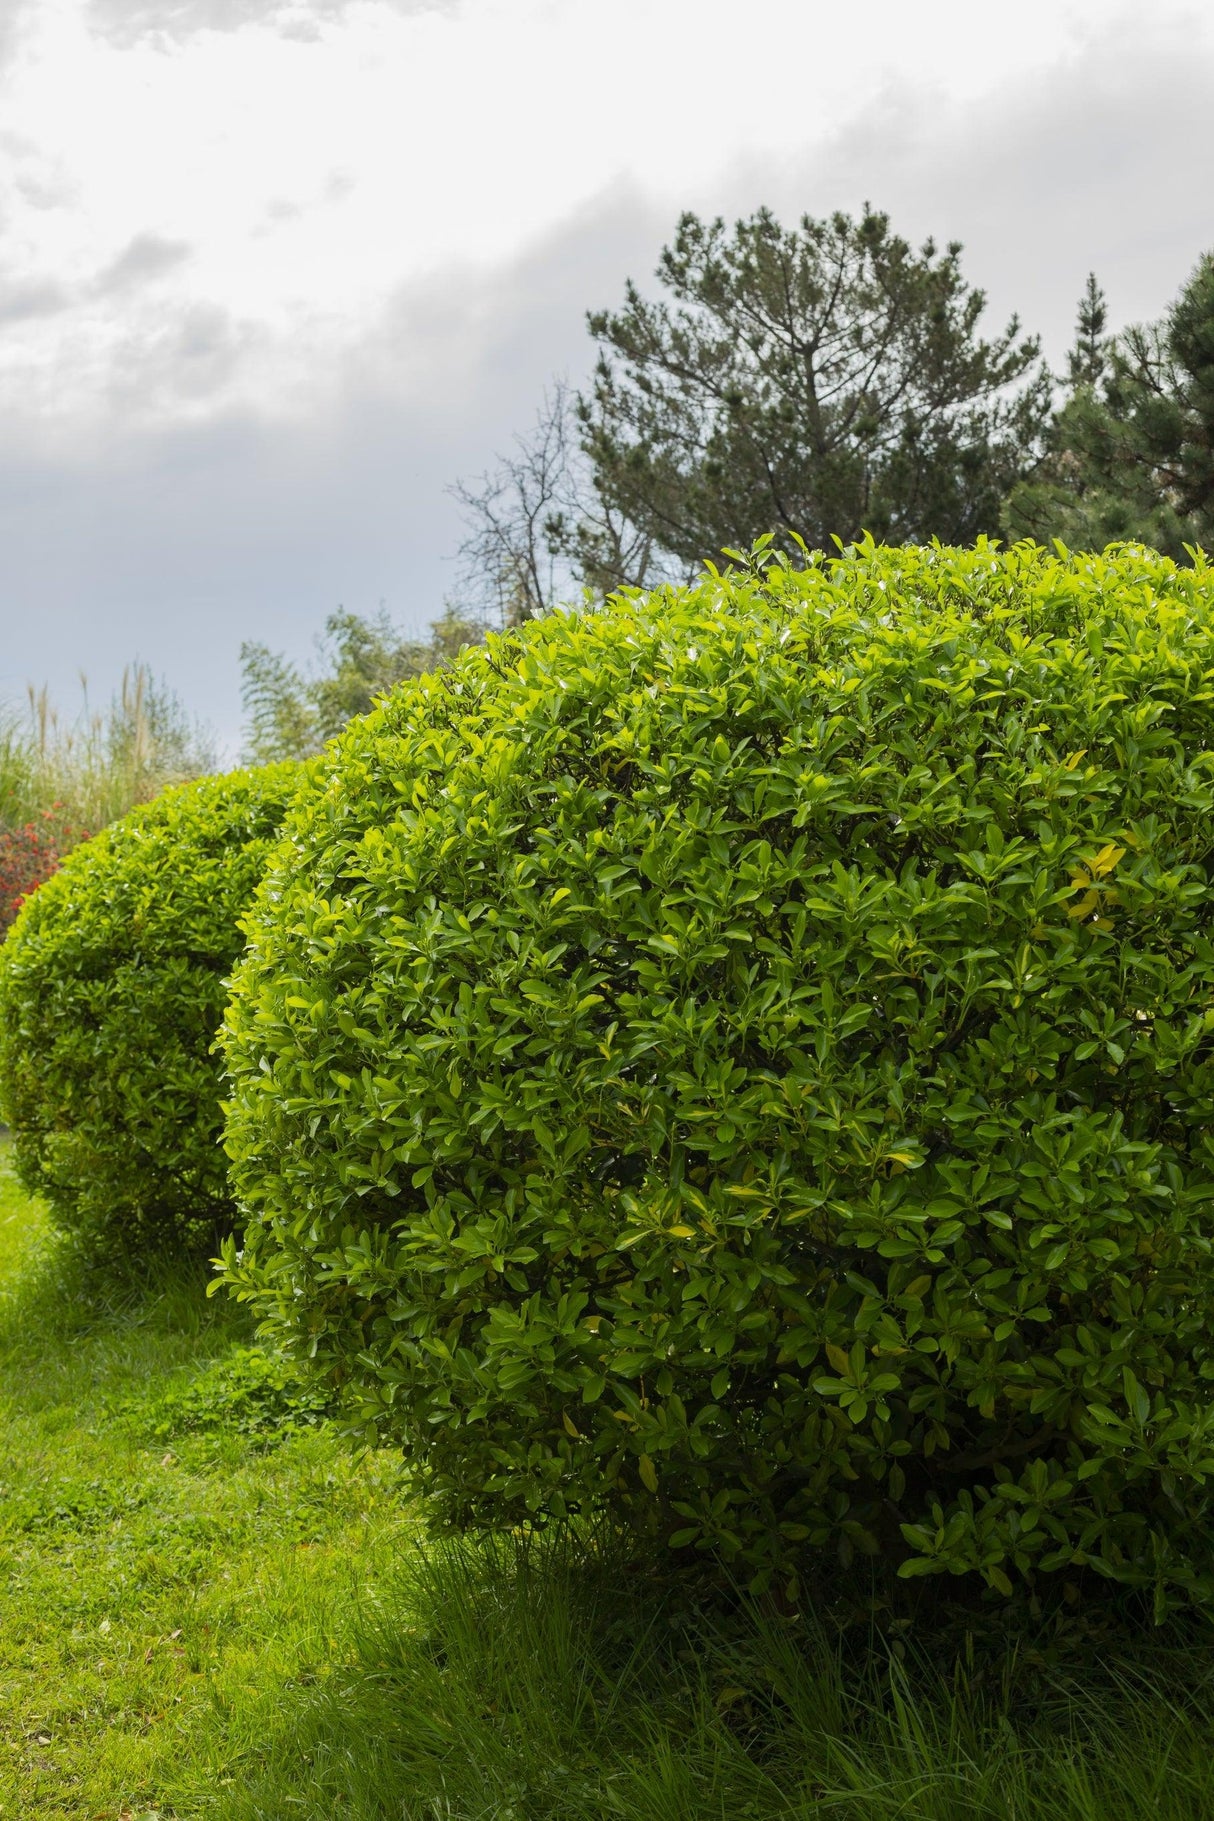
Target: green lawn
x,y
164,1587
209,1610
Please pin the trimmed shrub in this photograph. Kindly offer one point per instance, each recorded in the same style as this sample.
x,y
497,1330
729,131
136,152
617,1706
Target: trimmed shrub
x,y
746,1056
112,986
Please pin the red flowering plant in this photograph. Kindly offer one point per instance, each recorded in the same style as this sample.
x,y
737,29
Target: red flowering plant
x,y
31,853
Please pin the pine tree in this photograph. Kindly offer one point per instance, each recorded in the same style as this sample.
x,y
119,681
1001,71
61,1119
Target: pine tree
x,y
815,382
1087,358
1132,451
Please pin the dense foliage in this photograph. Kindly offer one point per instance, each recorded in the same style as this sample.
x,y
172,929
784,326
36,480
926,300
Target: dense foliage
x,y
747,1055
112,985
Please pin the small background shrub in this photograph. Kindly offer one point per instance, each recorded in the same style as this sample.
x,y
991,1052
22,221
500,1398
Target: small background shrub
x,y
111,991
30,854
746,1057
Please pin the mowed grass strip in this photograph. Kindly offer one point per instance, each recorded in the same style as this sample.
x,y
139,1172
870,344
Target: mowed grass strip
x,y
180,1548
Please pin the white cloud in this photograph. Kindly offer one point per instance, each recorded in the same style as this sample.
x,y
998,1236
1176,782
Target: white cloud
x,y
313,172
271,275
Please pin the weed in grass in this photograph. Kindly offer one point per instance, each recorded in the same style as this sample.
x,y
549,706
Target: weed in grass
x,y
248,1392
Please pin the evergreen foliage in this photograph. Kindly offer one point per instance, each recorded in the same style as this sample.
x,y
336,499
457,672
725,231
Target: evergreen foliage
x,y
1132,451
112,985
816,382
744,1057
821,381
1088,357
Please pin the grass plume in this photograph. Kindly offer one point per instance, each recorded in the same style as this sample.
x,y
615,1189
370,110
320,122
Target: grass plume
x,y
92,767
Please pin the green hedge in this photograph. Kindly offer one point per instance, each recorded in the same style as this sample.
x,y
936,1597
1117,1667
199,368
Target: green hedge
x,y
744,1057
112,986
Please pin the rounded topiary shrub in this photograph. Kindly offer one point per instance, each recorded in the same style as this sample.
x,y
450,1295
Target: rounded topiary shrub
x,y
747,1055
112,986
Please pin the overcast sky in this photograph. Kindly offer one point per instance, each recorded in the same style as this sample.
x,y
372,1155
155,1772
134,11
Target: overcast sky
x,y
274,272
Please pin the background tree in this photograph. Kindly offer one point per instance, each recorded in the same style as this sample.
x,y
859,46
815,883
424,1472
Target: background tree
x,y
824,381
531,520
292,713
1132,451
1089,356
818,381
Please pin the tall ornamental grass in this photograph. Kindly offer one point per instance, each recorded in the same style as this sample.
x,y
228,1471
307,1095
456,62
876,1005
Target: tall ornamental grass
x,y
84,771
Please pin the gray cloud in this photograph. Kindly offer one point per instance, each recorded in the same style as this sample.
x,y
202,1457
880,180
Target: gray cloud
x,y
147,257
127,22
21,299
177,545
1103,166
33,172
193,354
12,19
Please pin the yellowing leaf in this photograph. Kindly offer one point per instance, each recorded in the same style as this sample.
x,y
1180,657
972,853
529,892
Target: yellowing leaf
x,y
1084,906
682,1232
571,1427
649,1474
1074,758
838,1359
1107,859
